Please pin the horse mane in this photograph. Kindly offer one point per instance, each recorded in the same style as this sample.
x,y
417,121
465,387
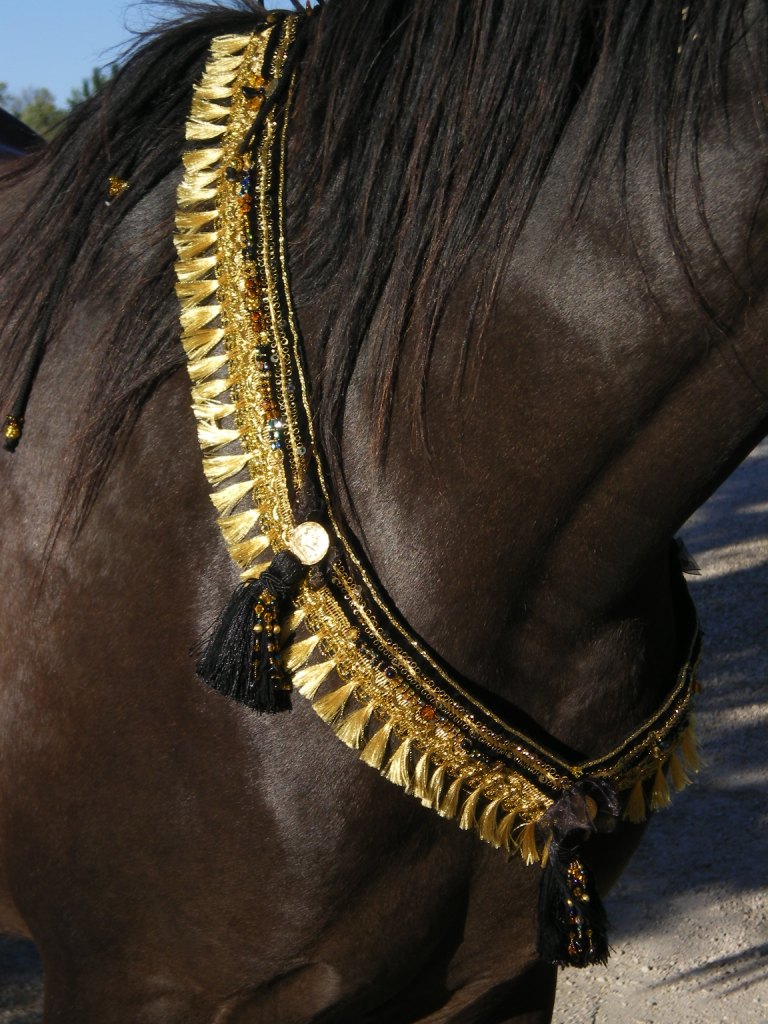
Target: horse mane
x,y
425,128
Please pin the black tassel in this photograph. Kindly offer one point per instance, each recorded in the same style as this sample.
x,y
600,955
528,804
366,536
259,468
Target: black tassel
x,y
242,659
573,928
572,925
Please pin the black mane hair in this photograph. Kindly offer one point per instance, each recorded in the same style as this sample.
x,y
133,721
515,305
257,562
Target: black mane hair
x,y
427,118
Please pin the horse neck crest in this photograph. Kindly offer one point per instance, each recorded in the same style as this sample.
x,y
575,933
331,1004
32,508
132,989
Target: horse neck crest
x,y
309,616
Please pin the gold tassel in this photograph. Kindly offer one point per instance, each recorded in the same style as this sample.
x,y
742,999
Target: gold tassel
x,y
209,389
435,792
198,160
254,571
689,748
219,468
194,220
488,823
677,774
450,805
332,704
468,819
237,527
309,680
202,369
528,847
197,318
421,780
352,730
202,131
194,293
189,247
375,750
200,343
399,770
635,810
504,831
660,793
294,620
229,497
247,551
213,92
212,436
195,269
295,656
205,110
212,411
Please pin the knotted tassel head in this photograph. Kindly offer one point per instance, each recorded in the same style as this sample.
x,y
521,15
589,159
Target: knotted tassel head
x,y
241,659
572,925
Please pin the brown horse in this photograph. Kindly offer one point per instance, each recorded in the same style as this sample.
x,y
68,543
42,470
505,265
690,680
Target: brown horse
x,y
528,249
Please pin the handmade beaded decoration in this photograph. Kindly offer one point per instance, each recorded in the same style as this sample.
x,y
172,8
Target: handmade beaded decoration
x,y
345,649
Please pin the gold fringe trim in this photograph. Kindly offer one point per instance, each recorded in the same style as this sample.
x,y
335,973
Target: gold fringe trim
x,y
375,750
246,553
332,704
468,819
488,824
689,748
202,369
504,831
219,468
309,680
212,436
227,499
421,780
294,620
236,528
207,390
528,847
660,796
450,804
353,729
295,656
635,810
399,768
435,791
212,411
676,773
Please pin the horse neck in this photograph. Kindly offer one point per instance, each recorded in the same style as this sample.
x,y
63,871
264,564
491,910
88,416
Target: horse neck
x,y
528,541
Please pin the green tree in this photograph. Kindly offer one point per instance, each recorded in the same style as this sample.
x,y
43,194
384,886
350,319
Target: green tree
x,y
90,86
37,108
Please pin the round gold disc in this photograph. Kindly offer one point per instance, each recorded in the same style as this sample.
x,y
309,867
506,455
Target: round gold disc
x,y
309,542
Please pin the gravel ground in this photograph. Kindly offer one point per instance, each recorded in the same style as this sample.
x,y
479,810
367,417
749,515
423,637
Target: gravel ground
x,y
690,916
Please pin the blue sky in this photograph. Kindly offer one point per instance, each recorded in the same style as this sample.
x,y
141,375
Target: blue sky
x,y
56,43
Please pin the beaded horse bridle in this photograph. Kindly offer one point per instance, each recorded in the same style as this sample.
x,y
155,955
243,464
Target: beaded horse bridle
x,y
309,615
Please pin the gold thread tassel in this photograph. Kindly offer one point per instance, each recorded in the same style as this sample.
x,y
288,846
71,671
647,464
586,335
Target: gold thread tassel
x,y
352,730
504,831
399,768
421,779
468,819
450,806
332,704
635,810
660,796
676,773
488,823
309,680
528,847
436,783
229,497
375,750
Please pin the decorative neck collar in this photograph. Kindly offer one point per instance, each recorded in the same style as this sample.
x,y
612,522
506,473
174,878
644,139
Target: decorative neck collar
x,y
340,643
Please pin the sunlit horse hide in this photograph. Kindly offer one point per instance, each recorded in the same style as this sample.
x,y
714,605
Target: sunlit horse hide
x,y
524,246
